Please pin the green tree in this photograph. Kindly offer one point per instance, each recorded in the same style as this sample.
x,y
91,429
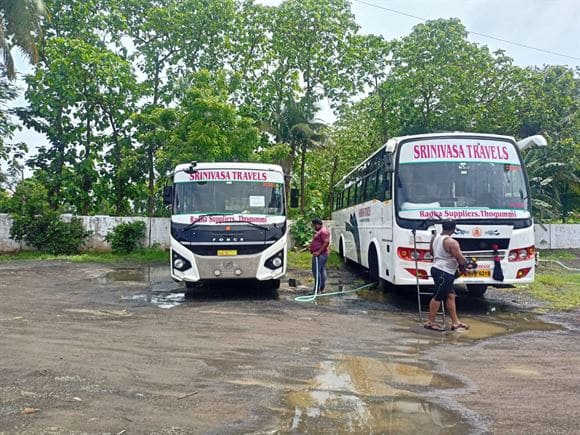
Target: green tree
x,y
153,126
441,81
81,100
207,127
551,107
7,93
175,38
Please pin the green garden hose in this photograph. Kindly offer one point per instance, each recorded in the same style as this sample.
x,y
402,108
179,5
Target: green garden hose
x,y
312,298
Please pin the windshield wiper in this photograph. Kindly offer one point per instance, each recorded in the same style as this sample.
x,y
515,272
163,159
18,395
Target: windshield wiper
x,y
200,217
250,223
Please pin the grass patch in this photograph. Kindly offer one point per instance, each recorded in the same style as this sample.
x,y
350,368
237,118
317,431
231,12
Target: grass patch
x,y
557,254
560,290
303,260
554,284
148,255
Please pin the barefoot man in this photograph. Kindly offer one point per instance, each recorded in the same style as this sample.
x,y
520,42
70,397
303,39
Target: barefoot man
x,y
447,257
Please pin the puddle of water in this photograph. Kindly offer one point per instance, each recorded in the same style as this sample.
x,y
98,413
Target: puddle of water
x,y
354,394
370,376
487,318
148,274
159,299
503,324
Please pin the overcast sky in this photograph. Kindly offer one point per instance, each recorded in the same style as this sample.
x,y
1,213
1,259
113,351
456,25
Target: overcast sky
x,y
550,25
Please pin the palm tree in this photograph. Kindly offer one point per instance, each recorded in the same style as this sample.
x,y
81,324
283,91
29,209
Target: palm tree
x,y
293,125
20,22
305,137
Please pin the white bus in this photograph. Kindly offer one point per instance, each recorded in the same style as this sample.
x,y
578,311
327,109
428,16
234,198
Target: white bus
x,y
393,201
228,221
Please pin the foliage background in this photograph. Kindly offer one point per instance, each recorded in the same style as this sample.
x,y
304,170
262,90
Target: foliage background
x,y
125,89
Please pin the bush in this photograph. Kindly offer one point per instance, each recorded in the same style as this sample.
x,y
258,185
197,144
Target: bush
x,y
35,223
48,233
127,237
301,231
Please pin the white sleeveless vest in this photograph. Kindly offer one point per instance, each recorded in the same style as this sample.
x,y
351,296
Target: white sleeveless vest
x,y
442,259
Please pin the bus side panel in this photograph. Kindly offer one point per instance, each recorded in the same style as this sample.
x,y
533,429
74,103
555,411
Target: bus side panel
x,y
385,242
376,229
342,235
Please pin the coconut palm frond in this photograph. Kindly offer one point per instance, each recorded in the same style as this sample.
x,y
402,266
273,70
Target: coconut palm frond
x,y
20,27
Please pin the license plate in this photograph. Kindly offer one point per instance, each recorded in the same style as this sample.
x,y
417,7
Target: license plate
x,y
226,252
484,273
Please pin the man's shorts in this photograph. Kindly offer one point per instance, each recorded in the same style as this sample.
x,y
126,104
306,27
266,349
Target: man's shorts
x,y
443,284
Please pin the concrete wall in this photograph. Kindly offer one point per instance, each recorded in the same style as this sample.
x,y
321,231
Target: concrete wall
x,y
550,236
156,232
557,236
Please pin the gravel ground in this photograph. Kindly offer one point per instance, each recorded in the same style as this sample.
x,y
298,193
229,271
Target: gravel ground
x,y
88,348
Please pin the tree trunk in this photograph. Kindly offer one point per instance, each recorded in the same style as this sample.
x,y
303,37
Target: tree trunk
x,y
331,182
151,186
302,166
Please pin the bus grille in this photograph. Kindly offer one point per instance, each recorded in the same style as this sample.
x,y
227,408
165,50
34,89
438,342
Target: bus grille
x,y
469,245
484,255
211,250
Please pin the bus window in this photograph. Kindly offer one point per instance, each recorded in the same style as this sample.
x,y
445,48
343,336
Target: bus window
x,y
337,199
371,187
383,185
360,192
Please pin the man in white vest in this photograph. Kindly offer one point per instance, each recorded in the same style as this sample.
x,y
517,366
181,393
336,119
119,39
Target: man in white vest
x,y
447,258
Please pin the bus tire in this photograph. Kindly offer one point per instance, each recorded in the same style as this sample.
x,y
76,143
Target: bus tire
x,y
476,290
385,285
373,264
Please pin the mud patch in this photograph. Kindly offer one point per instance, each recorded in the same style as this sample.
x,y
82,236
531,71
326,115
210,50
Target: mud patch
x,y
99,313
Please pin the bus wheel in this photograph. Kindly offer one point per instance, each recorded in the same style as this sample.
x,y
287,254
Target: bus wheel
x,y
373,264
476,290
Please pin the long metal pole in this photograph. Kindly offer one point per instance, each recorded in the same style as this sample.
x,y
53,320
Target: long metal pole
x,y
415,255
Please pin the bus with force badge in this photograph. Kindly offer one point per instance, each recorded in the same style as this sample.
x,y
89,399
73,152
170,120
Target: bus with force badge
x,y
228,221
386,210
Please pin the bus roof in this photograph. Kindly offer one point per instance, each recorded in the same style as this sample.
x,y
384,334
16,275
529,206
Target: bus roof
x,y
392,143
231,165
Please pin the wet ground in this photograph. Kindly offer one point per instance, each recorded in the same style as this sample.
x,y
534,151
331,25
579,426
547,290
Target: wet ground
x,y
92,348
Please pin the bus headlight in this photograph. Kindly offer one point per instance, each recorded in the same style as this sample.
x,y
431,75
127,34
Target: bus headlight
x,y
179,263
276,261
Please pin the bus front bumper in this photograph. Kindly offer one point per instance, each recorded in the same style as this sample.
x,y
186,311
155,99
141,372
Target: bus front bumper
x,y
256,266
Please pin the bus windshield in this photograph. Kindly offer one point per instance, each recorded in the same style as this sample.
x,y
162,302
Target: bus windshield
x,y
229,197
483,189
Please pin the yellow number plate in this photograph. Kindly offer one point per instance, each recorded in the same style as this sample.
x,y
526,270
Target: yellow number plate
x,y
484,273
226,252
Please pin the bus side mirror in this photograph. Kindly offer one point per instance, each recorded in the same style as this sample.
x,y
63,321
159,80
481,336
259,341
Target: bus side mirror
x,y
168,195
537,140
294,198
